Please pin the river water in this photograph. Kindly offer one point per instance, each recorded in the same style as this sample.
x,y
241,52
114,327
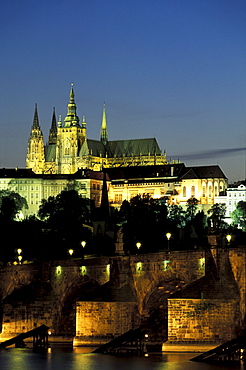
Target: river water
x,y
63,358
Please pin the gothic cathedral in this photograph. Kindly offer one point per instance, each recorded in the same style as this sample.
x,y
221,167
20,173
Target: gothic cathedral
x,y
68,148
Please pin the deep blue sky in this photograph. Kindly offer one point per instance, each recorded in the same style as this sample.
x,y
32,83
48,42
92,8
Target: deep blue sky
x,y
170,69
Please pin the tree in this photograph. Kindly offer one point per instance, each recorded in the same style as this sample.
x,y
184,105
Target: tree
x,y
11,204
217,211
239,215
143,220
65,216
177,215
191,207
68,206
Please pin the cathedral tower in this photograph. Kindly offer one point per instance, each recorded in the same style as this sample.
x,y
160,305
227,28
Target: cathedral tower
x,y
70,138
35,151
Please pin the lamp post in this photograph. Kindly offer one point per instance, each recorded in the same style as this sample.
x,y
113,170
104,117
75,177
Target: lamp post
x,y
83,243
168,236
19,256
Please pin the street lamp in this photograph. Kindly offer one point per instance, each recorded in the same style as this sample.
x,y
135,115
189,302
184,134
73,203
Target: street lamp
x,y
19,250
83,243
228,238
20,259
70,251
138,245
168,236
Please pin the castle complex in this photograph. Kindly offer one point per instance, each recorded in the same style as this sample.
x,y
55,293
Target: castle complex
x,y
71,161
68,148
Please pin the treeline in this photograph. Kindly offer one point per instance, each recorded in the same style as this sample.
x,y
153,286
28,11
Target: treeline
x,y
65,221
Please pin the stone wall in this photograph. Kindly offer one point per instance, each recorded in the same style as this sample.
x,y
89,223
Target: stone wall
x,y
24,317
99,322
202,320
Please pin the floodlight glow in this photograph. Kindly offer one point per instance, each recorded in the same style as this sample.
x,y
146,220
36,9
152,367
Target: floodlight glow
x,y
202,262
83,270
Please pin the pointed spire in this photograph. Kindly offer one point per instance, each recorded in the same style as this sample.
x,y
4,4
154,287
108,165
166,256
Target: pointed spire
x,y
104,130
72,94
53,129
71,119
35,118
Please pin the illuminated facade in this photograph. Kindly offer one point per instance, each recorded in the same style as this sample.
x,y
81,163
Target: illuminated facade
x,y
234,194
68,148
35,187
176,182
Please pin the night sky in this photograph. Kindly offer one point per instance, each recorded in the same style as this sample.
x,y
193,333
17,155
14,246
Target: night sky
x,y
170,69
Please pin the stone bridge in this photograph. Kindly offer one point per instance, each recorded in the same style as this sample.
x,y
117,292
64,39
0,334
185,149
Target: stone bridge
x,y
135,285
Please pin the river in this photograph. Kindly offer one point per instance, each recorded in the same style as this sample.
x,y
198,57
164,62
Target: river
x,y
64,358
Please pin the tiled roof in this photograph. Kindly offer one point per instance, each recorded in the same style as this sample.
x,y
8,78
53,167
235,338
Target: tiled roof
x,y
120,148
16,172
203,172
138,172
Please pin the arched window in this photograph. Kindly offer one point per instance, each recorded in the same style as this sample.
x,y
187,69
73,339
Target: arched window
x,y
204,191
184,191
193,191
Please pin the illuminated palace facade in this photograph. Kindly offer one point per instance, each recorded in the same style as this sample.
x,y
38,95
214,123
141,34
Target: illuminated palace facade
x,y
176,182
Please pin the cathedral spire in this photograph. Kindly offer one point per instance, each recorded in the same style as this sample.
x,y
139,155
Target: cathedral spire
x,y
35,124
53,129
35,150
104,130
71,119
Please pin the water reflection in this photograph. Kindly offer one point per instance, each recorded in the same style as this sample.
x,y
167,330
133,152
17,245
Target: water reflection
x,y
63,358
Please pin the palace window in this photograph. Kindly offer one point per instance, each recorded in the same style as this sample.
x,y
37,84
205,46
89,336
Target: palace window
x,y
216,191
193,191
204,191
184,191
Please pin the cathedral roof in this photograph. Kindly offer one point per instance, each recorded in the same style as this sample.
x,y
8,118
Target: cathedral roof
x,y
92,147
120,148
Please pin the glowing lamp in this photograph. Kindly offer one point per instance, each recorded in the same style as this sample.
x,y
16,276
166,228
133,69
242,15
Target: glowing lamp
x,y
138,245
83,243
19,259
168,235
19,250
228,238
70,252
